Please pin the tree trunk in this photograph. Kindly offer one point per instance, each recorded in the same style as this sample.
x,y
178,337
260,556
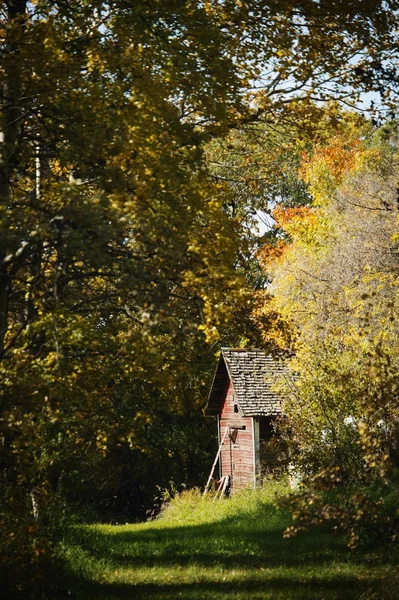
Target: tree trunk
x,y
10,125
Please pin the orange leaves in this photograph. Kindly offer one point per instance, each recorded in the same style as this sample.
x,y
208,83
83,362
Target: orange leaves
x,y
288,217
269,254
326,168
339,156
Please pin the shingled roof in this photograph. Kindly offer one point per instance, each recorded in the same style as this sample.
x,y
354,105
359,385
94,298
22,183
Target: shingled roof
x,y
253,374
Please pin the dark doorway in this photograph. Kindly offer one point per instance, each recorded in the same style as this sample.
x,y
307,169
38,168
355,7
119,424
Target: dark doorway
x,y
268,440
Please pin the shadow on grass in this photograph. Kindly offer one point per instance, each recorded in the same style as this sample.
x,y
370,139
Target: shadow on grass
x,y
248,543
230,543
345,588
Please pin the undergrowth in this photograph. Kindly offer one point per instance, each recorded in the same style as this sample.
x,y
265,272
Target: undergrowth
x,y
191,506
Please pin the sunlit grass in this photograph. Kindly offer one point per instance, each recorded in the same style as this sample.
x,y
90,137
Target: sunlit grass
x,y
233,548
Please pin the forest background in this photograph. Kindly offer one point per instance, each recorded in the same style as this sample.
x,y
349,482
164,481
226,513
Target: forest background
x,y
138,142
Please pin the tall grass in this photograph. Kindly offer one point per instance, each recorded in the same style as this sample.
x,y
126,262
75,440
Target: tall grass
x,y
192,507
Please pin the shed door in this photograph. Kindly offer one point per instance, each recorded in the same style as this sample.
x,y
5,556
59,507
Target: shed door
x,y
242,459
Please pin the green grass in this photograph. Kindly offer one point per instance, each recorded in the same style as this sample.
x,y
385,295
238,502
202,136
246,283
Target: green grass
x,y
229,549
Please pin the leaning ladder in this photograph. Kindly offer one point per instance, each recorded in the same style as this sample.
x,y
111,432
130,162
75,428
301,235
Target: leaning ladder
x,y
221,491
215,463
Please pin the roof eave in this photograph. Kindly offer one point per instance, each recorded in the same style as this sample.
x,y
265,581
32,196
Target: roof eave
x,y
219,386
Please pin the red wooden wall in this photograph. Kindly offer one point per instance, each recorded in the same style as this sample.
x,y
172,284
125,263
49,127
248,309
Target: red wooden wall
x,y
237,457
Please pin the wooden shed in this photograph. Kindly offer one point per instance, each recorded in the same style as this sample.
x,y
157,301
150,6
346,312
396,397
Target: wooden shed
x,y
245,404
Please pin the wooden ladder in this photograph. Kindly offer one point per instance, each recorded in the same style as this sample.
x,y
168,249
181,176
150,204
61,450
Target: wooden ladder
x,y
226,433
221,491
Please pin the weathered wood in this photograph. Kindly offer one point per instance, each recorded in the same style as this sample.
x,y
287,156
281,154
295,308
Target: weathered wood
x,y
236,425
215,462
221,491
237,460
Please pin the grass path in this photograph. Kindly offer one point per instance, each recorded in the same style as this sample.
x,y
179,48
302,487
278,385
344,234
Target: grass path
x,y
229,550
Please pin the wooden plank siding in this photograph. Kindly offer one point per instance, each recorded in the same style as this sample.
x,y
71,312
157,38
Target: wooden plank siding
x,y
237,455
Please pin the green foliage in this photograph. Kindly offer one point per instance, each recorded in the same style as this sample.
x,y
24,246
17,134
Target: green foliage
x,y
110,232
118,265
